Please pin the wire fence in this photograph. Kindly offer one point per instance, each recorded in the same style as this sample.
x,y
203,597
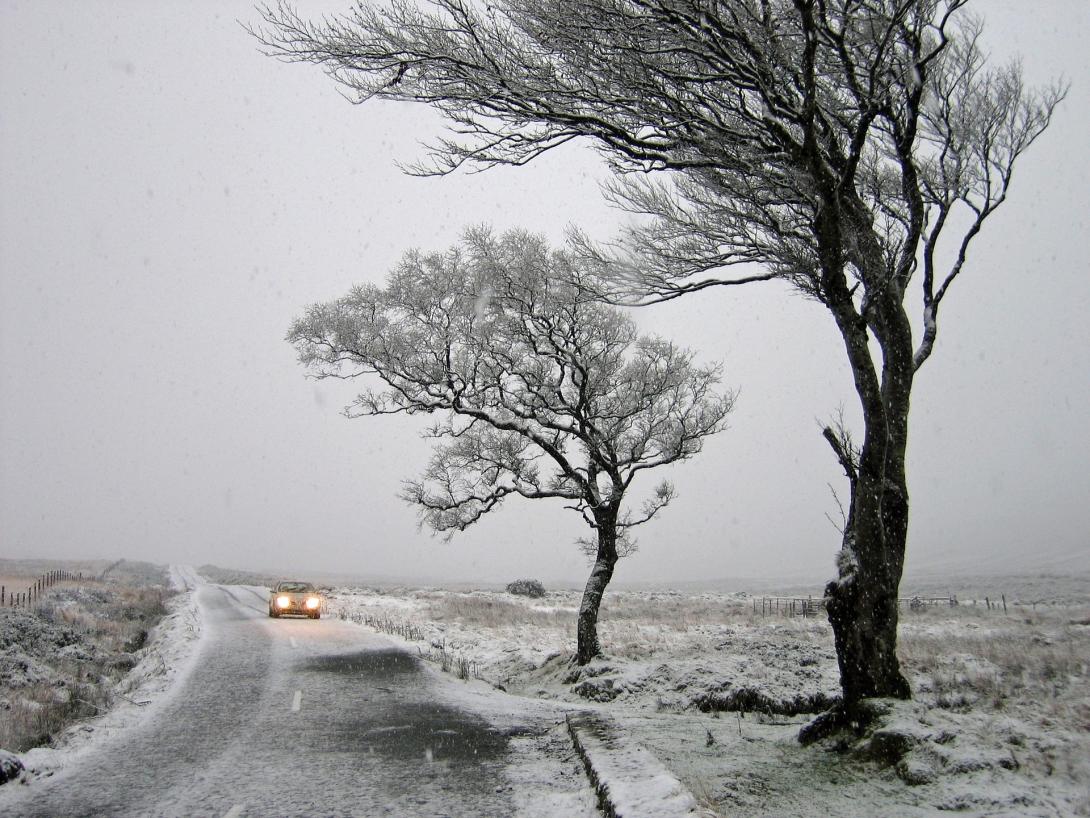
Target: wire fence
x,y
34,591
810,606
788,605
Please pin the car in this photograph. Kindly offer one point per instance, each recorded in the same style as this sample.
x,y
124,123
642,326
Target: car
x,y
295,598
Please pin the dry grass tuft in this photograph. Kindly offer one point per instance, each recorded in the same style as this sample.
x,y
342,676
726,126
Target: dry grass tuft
x,y
492,612
81,641
673,609
34,716
990,660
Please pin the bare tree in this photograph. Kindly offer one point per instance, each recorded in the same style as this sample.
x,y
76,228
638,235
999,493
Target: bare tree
x,y
546,392
854,148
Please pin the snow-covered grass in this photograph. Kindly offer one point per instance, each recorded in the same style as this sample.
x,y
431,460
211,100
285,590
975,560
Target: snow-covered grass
x,y
665,651
166,656
1000,724
87,660
975,658
60,658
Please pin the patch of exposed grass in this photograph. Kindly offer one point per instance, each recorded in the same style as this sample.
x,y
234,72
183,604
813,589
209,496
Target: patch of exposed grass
x,y
967,659
664,610
450,661
674,609
62,658
491,611
33,716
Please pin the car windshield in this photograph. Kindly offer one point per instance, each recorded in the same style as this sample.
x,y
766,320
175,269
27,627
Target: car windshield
x,y
295,587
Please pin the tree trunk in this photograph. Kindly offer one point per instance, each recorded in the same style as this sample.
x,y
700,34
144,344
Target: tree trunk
x,y
587,646
862,607
863,599
862,602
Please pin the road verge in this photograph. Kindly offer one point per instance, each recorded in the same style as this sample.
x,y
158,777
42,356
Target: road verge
x,y
629,780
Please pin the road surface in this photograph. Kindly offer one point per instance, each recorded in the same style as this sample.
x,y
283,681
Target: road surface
x,y
316,718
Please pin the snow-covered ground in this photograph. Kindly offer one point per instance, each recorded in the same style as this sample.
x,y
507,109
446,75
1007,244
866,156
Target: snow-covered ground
x,y
540,775
1000,724
161,662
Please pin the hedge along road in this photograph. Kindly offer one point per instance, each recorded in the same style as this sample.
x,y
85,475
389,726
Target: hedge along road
x,y
302,717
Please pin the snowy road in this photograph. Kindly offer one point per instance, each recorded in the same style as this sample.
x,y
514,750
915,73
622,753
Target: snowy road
x,y
301,717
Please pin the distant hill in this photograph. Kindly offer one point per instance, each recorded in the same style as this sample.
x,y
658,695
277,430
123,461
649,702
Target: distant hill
x,y
1030,560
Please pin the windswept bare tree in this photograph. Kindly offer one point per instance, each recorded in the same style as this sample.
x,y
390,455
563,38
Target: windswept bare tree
x,y
854,148
547,393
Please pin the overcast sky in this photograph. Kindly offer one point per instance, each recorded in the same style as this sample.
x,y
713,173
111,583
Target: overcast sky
x,y
170,199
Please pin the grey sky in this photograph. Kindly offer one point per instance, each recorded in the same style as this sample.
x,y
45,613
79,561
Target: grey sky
x,y
170,199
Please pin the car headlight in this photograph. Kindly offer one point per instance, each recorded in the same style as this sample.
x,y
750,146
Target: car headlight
x,y
283,602
313,602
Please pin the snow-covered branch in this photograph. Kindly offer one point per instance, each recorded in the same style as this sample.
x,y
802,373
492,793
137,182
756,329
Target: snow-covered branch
x,y
544,392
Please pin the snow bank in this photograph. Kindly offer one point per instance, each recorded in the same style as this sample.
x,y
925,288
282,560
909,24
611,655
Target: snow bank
x,y
166,657
631,783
